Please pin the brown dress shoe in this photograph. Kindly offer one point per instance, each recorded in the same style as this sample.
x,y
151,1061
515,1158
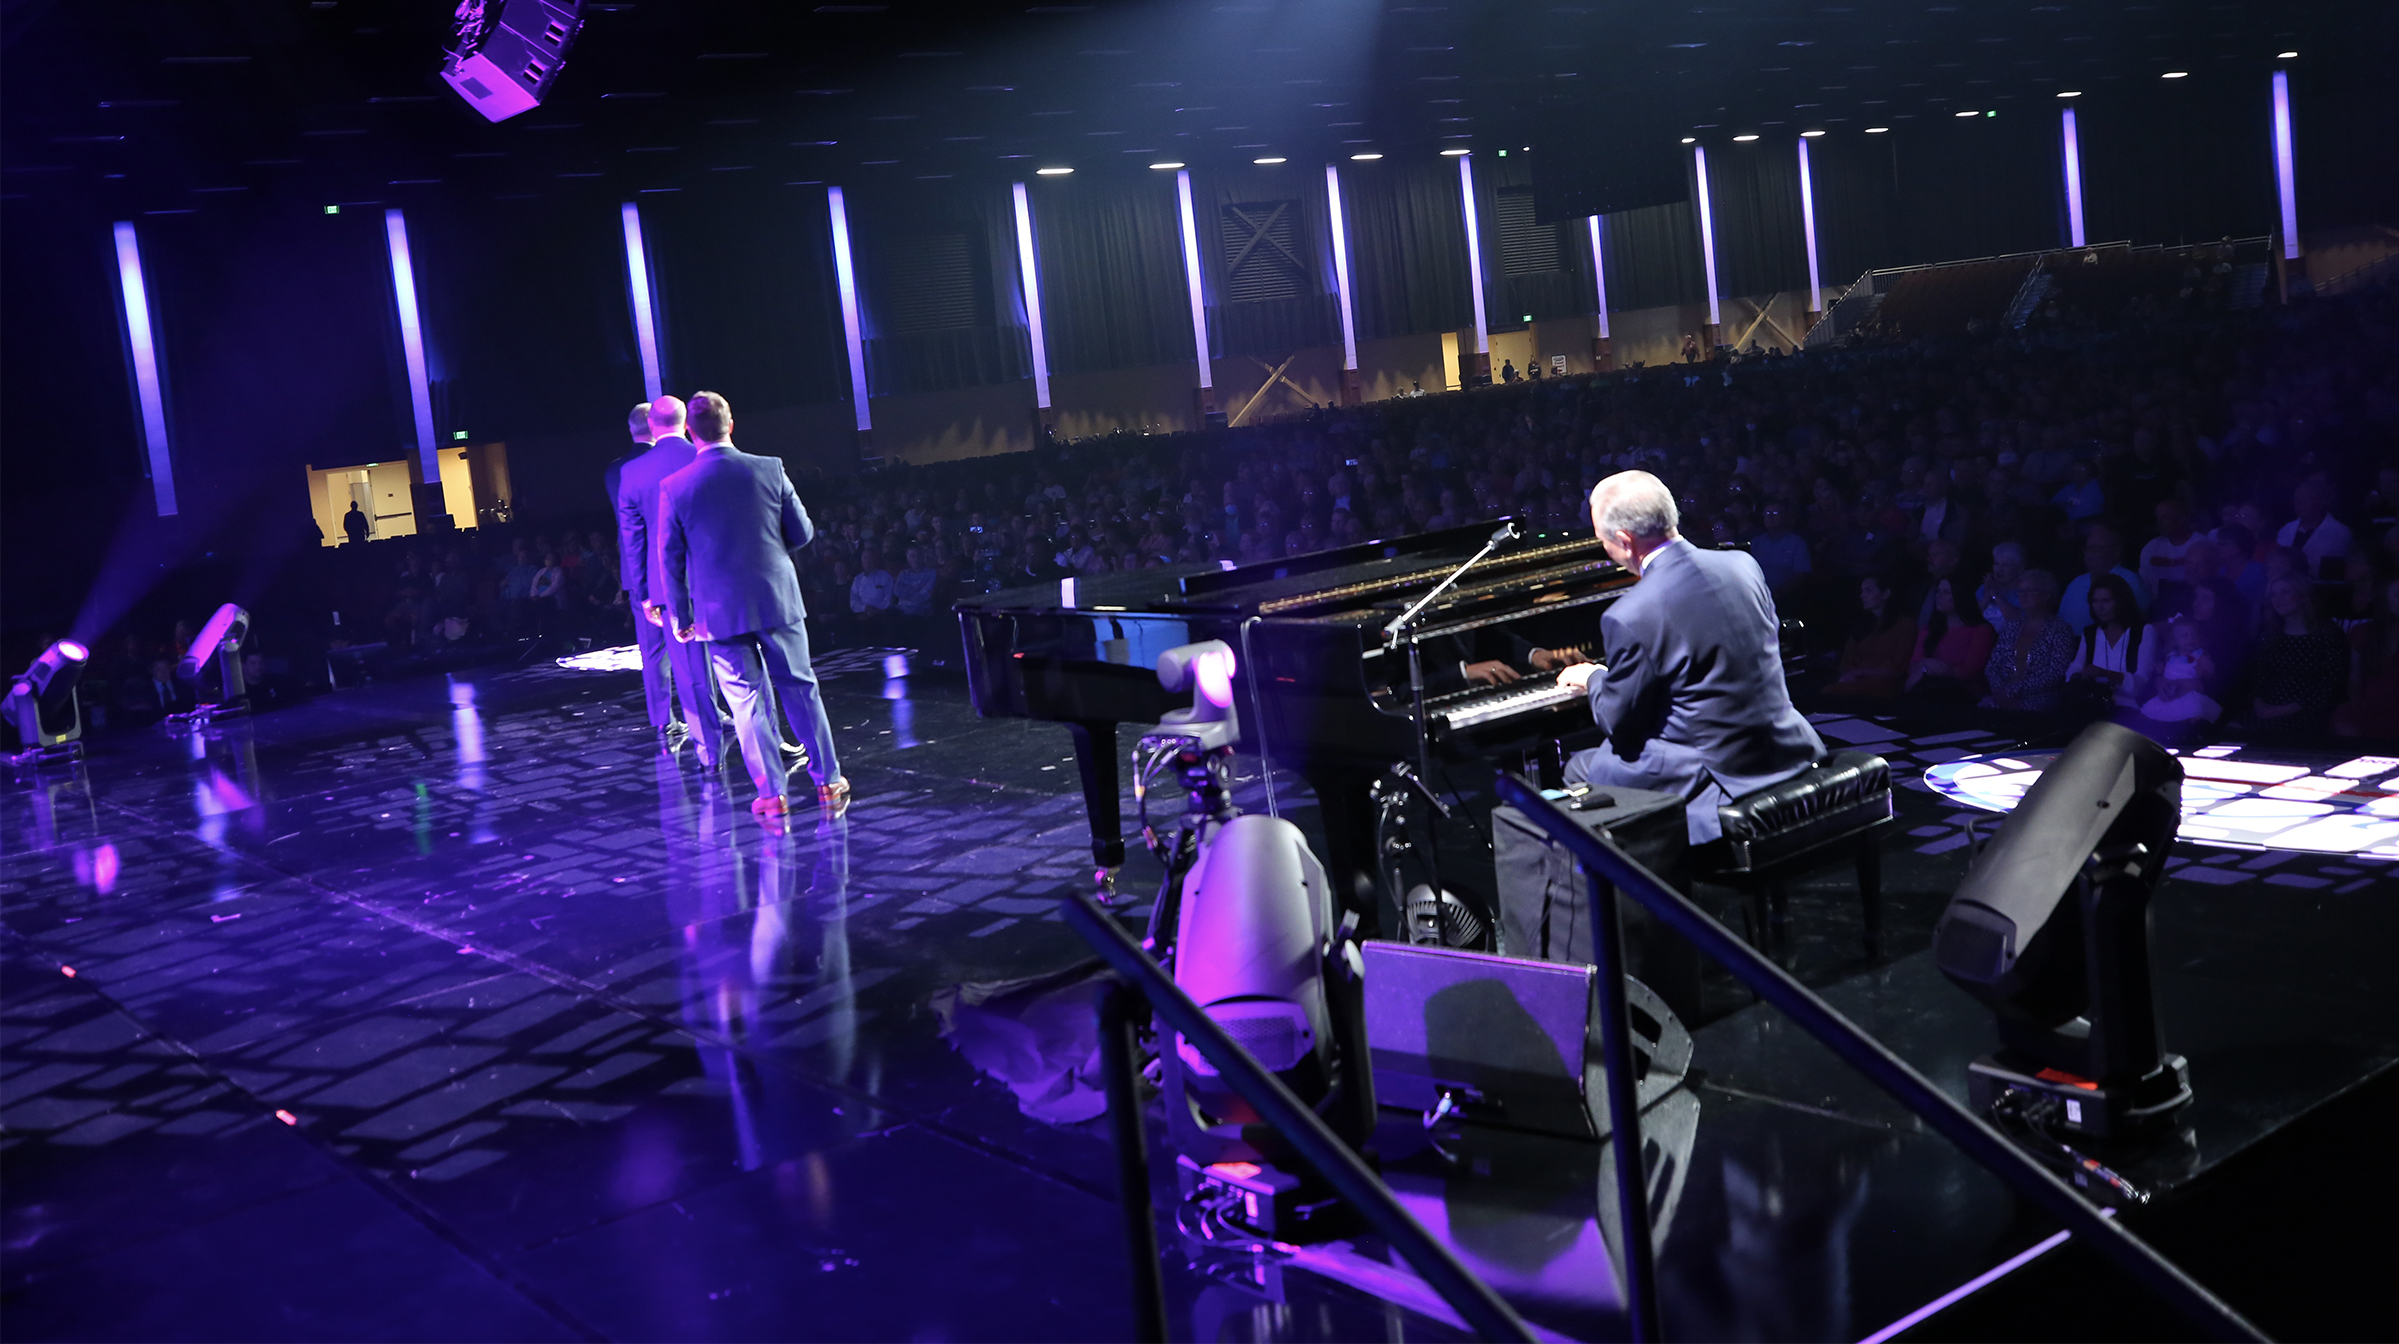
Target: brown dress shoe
x,y
770,805
834,797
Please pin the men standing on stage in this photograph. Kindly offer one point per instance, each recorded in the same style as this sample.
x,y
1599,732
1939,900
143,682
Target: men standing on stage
x,y
657,687
641,536
732,522
1689,686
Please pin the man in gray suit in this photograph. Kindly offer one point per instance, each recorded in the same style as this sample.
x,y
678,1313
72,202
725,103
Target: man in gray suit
x,y
657,687
1689,686
641,537
732,522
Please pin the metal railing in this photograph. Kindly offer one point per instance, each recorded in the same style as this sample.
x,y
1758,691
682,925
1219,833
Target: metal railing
x,y
1140,980
1609,870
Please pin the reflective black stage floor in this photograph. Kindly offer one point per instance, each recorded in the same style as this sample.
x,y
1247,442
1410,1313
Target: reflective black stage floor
x,y
451,1010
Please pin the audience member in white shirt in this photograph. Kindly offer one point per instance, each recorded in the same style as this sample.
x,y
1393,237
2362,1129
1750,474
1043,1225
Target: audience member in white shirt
x,y
2315,533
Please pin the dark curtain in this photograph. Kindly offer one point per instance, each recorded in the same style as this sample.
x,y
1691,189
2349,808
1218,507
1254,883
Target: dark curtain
x,y
1113,294
2177,161
1653,257
1407,240
748,295
1269,326
528,328
1761,241
1977,187
1855,181
886,225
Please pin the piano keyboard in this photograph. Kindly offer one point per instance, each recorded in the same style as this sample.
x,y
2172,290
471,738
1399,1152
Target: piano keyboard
x,y
1473,710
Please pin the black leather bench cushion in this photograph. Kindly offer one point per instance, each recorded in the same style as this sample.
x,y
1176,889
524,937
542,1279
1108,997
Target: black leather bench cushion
x,y
1836,797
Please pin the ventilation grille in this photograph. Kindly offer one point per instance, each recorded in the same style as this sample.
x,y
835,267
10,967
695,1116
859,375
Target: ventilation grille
x,y
1525,248
1262,252
933,284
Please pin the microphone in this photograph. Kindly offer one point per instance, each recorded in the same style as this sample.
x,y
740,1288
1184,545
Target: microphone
x,y
1507,532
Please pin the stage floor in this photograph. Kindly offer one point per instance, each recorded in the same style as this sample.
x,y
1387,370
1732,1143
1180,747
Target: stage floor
x,y
451,1009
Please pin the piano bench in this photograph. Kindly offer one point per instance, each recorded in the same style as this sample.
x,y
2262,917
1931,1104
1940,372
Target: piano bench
x,y
1835,809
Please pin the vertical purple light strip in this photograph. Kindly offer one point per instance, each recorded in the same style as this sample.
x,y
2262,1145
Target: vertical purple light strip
x,y
1807,224
1474,254
1349,324
412,343
1599,277
2073,152
1191,278
645,317
1707,233
847,279
146,386
2286,179
1028,269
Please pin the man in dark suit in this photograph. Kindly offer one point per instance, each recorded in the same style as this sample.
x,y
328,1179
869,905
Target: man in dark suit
x,y
657,685
732,522
641,537
1689,686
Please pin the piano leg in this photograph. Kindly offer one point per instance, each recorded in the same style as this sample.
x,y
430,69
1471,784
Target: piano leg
x,y
1345,804
1095,759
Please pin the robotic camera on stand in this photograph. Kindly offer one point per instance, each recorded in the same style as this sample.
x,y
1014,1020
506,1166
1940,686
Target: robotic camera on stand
x,y
1246,924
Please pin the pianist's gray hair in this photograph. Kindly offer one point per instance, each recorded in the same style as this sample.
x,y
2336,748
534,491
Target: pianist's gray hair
x,y
1635,502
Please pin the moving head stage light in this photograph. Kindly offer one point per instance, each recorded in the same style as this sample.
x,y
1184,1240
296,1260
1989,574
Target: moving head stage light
x,y
219,642
505,54
2051,930
42,705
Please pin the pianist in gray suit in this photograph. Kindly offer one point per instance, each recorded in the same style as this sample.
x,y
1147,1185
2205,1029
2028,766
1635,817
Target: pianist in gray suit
x,y
1689,685
732,522
641,537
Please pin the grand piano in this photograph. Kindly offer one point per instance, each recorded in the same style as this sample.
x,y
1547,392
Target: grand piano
x,y
1317,689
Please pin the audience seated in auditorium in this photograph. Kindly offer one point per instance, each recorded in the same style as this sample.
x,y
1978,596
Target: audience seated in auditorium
x,y
2102,553
1874,662
2117,653
1952,647
2029,659
2300,667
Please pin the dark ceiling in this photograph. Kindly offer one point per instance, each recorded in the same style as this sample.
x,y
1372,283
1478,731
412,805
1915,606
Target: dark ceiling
x,y
160,105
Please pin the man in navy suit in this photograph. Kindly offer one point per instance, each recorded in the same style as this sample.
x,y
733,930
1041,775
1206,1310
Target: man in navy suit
x,y
641,537
657,686
732,522
1689,686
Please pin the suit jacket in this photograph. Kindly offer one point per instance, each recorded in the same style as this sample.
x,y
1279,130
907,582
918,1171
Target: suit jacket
x,y
639,523
732,522
610,478
1695,675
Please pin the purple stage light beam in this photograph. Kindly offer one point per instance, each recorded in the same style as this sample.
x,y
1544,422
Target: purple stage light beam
x,y
2286,181
1349,323
846,277
412,345
1707,233
1807,224
1474,254
1599,276
147,388
645,314
1028,270
2073,153
1191,278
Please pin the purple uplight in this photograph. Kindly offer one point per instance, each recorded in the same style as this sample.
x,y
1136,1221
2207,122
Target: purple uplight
x,y
1707,233
412,344
2286,181
1028,269
846,277
2073,152
144,344
1191,278
645,316
1474,254
1807,224
1349,324
1599,277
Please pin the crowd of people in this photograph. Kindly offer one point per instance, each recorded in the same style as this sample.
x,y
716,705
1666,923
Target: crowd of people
x,y
2188,520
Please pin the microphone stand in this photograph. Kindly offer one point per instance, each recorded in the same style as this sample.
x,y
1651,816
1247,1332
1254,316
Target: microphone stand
x,y
1403,626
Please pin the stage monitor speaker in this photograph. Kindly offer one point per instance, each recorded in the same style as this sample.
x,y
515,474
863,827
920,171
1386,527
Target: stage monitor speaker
x,y
505,54
1613,159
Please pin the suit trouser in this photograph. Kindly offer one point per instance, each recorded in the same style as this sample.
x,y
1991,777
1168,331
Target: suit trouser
x,y
747,666
688,662
657,688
